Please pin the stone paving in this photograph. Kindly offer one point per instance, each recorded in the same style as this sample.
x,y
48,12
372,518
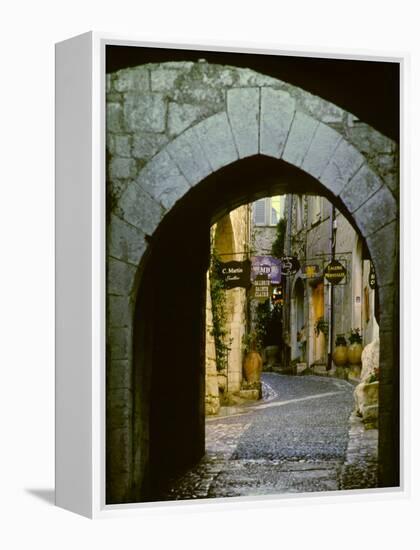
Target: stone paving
x,y
301,437
359,470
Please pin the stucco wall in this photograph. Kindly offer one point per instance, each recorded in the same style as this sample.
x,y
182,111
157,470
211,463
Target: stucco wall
x,y
232,243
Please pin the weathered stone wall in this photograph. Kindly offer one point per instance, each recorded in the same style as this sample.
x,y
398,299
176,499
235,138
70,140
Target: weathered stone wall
x,y
212,385
371,327
237,300
366,392
313,243
262,239
171,125
346,239
231,242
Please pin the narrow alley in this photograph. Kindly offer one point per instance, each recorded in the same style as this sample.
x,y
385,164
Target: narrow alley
x,y
301,437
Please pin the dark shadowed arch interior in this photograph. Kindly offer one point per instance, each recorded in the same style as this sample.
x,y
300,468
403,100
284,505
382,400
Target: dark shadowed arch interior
x,y
169,324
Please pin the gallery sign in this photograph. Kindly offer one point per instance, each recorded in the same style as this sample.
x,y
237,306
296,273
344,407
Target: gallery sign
x,y
266,265
372,276
289,265
335,272
310,270
235,274
261,287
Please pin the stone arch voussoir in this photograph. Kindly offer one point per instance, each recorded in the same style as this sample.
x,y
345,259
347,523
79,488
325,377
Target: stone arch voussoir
x,y
257,120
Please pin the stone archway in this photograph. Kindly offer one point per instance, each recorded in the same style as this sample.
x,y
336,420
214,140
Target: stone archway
x,y
173,125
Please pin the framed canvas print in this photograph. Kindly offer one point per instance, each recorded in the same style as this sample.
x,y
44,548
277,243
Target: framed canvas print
x,y
227,274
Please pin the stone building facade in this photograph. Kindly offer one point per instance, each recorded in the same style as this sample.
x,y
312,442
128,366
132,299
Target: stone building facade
x,y
185,142
230,238
320,233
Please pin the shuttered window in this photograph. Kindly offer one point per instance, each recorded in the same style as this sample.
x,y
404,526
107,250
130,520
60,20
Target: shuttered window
x,y
268,211
259,212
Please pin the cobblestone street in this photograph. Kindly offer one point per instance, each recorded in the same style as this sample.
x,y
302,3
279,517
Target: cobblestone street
x,y
301,437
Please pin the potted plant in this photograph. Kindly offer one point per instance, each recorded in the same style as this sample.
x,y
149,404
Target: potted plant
x,y
340,353
252,359
355,348
321,325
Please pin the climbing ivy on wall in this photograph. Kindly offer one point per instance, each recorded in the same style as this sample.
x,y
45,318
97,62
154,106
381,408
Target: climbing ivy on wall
x,y
218,306
277,248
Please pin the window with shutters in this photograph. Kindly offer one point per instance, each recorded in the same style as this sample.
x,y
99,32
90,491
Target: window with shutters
x,y
268,211
259,212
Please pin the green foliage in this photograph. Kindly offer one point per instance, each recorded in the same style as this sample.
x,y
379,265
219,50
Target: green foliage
x,y
250,342
261,325
340,340
355,336
321,325
277,248
268,324
218,306
374,377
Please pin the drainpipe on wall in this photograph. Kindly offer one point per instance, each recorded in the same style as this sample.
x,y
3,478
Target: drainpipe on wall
x,y
331,291
289,225
286,312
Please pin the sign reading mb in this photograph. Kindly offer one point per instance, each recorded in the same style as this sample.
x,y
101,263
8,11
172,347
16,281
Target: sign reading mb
x,y
335,272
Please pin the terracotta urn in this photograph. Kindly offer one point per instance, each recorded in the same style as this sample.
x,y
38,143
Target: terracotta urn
x,y
252,367
340,356
355,353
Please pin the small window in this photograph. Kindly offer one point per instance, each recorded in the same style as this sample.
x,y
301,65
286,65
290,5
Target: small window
x,y
268,211
259,212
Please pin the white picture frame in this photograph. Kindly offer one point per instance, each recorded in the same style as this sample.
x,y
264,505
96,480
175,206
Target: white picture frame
x,y
80,276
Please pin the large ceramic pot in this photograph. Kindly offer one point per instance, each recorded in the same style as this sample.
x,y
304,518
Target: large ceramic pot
x,y
253,367
355,353
340,356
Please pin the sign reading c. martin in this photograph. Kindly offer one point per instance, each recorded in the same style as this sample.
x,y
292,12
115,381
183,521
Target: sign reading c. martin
x,y
235,274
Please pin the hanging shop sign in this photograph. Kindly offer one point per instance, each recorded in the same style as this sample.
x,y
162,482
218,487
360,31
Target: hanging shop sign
x,y
335,272
261,287
266,265
372,276
310,270
235,274
289,265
